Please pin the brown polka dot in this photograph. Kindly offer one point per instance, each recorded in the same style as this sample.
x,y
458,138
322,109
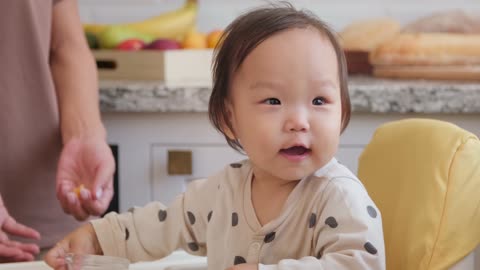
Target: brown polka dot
x,y
312,221
193,246
371,211
191,217
236,165
162,215
269,237
127,234
332,222
370,248
239,260
209,216
234,219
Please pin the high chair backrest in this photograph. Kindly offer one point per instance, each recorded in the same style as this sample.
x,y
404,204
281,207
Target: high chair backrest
x,y
424,176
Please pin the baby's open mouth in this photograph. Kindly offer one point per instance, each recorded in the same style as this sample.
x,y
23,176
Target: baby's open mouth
x,y
295,151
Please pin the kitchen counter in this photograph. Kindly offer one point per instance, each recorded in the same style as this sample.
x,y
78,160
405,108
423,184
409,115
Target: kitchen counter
x,y
368,95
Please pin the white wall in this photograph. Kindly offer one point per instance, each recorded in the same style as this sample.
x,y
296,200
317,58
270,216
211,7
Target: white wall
x,y
218,13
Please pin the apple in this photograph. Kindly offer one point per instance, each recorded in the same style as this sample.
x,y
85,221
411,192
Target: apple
x,y
164,44
133,44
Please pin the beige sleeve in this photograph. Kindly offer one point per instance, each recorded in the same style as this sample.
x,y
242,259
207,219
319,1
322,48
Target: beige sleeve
x,y
154,231
348,229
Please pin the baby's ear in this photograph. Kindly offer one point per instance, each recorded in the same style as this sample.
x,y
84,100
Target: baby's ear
x,y
228,127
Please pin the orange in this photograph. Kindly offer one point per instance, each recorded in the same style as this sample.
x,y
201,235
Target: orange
x,y
77,190
194,40
213,38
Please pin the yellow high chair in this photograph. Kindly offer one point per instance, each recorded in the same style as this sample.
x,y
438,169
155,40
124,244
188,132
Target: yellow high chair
x,y
424,176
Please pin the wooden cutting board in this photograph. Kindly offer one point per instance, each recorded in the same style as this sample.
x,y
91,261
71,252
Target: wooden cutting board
x,y
461,72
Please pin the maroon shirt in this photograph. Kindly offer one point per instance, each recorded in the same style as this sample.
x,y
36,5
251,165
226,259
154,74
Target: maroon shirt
x,y
30,140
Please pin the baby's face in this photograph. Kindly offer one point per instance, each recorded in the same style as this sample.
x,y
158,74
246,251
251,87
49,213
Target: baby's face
x,y
285,104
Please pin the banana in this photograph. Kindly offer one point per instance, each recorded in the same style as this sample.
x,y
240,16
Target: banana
x,y
172,25
94,28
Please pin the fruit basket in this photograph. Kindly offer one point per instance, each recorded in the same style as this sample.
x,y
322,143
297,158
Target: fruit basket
x,y
173,67
166,47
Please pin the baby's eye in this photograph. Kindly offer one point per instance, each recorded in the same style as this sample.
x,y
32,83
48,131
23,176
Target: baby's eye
x,y
318,101
272,101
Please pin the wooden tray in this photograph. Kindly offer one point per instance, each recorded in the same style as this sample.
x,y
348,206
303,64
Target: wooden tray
x,y
175,67
358,63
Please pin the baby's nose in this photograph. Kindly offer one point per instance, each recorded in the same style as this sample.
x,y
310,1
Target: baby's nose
x,y
297,122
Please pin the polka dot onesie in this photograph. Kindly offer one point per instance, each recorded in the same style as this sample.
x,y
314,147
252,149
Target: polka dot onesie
x,y
328,222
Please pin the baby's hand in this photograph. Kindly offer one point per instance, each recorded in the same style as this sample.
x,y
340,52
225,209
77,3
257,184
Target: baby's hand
x,y
244,266
83,241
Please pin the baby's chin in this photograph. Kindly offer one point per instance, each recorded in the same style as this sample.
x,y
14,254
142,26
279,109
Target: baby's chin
x,y
295,174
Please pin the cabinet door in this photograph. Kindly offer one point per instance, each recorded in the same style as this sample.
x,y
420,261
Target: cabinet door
x,y
206,160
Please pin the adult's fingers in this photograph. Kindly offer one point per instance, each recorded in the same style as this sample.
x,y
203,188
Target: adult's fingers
x,y
25,247
76,209
8,252
103,178
65,195
99,206
14,254
24,257
70,202
11,226
97,199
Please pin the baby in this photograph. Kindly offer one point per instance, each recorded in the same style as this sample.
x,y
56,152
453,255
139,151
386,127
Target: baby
x,y
280,96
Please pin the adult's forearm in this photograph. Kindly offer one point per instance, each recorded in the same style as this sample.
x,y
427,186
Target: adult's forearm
x,y
75,76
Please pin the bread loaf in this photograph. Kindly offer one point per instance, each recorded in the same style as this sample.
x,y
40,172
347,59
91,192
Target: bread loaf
x,y
454,21
428,49
366,35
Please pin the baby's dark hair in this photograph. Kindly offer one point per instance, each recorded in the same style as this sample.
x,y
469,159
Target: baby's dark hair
x,y
243,35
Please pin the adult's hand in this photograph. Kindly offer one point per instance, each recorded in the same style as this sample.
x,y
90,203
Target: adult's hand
x,y
85,177
14,251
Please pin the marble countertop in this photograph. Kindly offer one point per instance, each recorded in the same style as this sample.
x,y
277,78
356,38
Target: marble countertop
x,y
367,95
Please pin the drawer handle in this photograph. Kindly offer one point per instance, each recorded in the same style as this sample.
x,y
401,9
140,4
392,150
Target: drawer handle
x,y
179,162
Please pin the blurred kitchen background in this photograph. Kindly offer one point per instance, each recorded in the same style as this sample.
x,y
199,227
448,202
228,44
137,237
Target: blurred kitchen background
x,y
218,13
157,121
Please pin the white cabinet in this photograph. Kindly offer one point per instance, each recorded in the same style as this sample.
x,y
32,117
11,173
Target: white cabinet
x,y
144,140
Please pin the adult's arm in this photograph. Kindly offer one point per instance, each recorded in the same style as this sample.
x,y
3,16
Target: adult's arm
x,y
86,158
